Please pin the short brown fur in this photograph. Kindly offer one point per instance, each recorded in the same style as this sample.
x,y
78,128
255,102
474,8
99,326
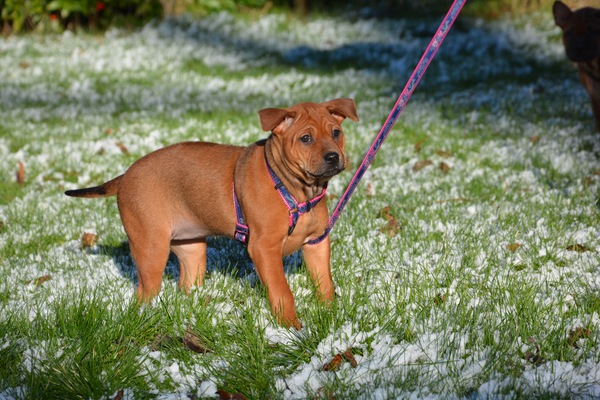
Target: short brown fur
x,y
581,38
174,198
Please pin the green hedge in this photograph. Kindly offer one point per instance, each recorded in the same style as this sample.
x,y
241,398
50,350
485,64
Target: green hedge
x,y
48,15
19,15
58,15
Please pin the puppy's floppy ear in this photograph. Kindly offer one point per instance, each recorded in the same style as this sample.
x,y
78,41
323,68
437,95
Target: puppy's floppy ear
x,y
342,109
562,13
270,118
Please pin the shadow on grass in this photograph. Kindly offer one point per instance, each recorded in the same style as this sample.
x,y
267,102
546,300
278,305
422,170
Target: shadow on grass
x,y
224,256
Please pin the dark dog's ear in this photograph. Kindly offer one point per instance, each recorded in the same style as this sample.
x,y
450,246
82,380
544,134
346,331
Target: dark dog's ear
x,y
342,109
562,13
270,118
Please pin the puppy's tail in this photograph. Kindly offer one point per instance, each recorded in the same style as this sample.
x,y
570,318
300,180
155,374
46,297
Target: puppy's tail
x,y
109,188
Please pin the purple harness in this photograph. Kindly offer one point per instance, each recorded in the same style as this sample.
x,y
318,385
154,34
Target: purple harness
x,y
242,231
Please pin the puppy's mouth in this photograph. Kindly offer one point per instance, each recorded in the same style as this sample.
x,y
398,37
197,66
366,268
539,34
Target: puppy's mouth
x,y
327,171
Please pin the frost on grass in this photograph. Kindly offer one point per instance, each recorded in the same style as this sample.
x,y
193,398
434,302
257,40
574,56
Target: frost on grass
x,y
494,262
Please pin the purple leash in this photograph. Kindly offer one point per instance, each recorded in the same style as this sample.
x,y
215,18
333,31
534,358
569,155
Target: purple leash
x,y
412,83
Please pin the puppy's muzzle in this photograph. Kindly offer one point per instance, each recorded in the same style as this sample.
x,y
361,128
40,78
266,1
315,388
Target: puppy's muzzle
x,y
332,165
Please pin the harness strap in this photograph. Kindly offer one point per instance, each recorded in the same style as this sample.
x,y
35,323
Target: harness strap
x,y
241,229
295,210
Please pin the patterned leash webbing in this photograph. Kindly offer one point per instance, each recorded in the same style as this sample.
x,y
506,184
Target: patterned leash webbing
x,y
412,83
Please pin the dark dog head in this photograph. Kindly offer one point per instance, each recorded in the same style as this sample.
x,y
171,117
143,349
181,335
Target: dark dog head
x,y
581,31
309,137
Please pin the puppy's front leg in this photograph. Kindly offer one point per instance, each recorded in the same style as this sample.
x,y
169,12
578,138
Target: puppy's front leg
x,y
269,265
317,258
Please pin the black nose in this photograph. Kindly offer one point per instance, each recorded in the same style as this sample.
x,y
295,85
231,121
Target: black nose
x,y
332,157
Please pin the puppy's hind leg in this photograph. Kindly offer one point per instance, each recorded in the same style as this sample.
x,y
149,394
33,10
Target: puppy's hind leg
x,y
192,262
150,254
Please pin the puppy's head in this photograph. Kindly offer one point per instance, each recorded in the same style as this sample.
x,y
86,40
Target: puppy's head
x,y
309,137
581,31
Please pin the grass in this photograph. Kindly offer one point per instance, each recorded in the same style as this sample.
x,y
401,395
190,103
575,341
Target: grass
x,y
477,279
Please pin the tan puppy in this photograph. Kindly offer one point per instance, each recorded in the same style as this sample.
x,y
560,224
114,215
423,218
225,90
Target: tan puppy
x,y
175,197
581,37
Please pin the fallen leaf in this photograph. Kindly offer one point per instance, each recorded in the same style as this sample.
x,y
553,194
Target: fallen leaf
x,y
334,363
419,165
444,153
513,246
440,298
224,395
89,239
576,334
108,131
385,213
119,395
534,139
24,65
194,343
577,247
41,279
122,147
445,168
21,174
534,358
391,228
419,145
350,358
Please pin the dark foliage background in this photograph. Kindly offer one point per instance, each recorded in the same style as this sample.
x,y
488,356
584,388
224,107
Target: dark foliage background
x,y
60,15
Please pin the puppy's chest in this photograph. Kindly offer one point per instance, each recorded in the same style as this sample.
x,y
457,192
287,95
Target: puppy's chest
x,y
309,225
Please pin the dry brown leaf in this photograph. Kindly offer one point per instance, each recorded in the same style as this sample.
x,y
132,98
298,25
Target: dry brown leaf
x,y
194,343
444,153
392,227
21,174
89,239
534,358
440,299
534,139
41,279
335,362
385,213
577,247
445,168
576,334
350,357
419,145
24,65
122,147
419,165
119,395
224,395
513,246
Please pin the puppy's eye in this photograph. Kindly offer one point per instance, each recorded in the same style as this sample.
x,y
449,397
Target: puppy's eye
x,y
305,138
336,133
